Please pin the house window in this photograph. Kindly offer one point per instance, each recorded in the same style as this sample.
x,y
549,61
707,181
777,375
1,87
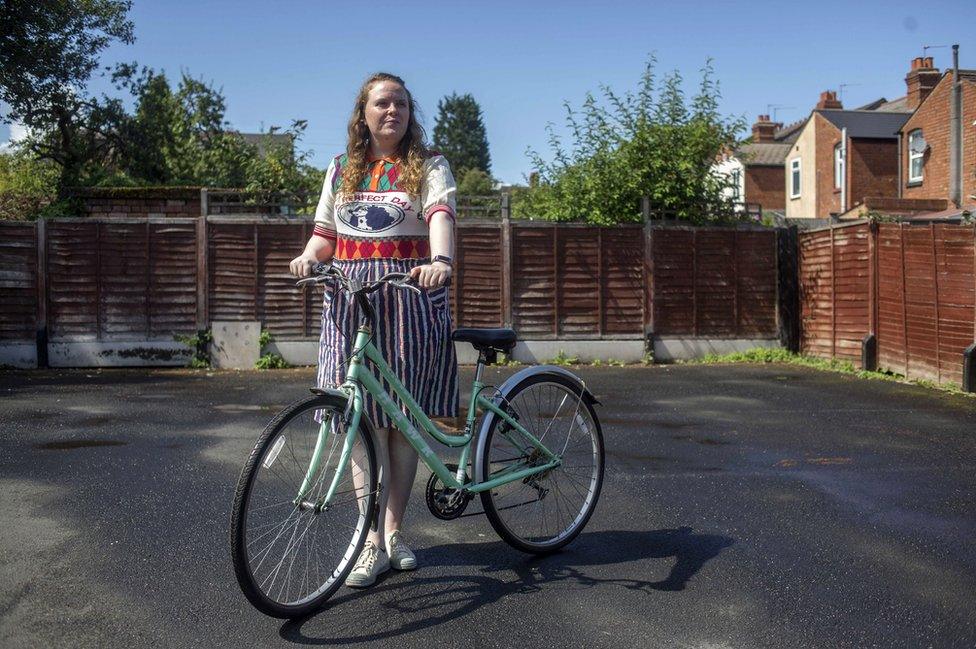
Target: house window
x,y
838,166
795,178
916,155
736,179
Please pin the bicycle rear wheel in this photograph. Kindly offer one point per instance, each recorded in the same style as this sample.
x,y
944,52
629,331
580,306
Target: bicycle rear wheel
x,y
290,557
544,512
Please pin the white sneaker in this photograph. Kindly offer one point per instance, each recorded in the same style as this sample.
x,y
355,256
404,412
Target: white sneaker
x,y
371,564
401,557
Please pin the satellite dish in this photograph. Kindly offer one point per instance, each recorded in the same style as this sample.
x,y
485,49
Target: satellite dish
x,y
918,145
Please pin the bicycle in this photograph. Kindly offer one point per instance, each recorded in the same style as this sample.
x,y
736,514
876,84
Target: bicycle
x,y
309,490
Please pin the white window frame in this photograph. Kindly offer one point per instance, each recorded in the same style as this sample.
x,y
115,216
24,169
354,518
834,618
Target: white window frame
x,y
913,156
795,170
839,165
736,180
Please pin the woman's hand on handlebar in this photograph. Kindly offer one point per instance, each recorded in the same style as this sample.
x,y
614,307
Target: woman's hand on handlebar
x,y
301,266
432,275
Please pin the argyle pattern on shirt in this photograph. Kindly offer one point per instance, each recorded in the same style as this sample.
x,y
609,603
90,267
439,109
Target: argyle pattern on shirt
x,y
381,175
382,249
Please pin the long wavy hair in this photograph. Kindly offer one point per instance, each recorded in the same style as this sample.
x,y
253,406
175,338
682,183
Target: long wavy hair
x,y
412,151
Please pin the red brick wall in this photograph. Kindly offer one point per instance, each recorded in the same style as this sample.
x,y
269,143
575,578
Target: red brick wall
x,y
766,186
827,136
872,169
139,202
933,118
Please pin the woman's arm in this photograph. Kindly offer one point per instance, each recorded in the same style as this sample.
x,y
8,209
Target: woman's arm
x,y
441,230
317,249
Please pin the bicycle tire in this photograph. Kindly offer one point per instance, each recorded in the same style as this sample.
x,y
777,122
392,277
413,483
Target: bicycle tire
x,y
530,399
247,528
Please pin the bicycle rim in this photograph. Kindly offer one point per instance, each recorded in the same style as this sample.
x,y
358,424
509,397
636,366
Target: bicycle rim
x,y
290,558
542,513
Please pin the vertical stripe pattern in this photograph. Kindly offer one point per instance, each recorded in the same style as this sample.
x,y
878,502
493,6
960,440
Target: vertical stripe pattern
x,y
413,333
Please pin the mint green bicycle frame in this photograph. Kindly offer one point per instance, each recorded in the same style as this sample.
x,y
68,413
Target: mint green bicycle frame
x,y
358,378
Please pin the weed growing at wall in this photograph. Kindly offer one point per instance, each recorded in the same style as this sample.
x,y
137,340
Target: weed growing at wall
x,y
200,344
268,360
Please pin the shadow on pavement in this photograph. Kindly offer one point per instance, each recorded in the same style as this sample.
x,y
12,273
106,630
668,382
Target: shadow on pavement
x,y
396,606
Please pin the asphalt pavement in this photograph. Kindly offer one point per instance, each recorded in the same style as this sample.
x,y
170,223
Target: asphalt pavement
x,y
744,506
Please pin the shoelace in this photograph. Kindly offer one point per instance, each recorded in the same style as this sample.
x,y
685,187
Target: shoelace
x,y
394,544
368,557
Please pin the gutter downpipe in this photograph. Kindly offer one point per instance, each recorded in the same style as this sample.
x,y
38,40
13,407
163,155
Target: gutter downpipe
x,y
955,133
843,175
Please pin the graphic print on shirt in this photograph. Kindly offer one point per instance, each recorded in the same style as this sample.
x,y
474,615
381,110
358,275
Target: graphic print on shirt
x,y
370,217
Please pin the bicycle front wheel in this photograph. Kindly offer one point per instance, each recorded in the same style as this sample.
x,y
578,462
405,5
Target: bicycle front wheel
x,y
542,513
290,553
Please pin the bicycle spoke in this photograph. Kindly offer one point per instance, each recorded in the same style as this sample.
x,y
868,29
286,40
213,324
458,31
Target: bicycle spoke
x,y
543,509
294,554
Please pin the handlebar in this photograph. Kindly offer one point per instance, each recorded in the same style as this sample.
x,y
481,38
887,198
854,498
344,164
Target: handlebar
x,y
324,272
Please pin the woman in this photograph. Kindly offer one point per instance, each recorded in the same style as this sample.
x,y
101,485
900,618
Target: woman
x,y
388,206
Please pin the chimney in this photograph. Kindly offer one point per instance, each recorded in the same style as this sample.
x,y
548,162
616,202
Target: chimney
x,y
828,99
764,130
920,81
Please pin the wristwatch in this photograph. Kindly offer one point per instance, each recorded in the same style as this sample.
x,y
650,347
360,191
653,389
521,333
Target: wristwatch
x,y
443,259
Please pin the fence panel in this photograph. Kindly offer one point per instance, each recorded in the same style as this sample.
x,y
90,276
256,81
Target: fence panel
x,y
851,290
73,291
124,278
835,291
577,270
280,306
672,251
756,284
714,282
816,293
232,264
892,338
533,279
921,299
173,278
477,289
18,281
621,274
956,278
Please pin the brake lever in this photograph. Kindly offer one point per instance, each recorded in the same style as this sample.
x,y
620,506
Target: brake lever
x,y
405,283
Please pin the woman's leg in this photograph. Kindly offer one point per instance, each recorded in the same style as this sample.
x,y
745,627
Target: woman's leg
x,y
383,462
402,470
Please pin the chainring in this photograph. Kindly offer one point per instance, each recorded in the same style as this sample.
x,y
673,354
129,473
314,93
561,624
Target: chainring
x,y
444,502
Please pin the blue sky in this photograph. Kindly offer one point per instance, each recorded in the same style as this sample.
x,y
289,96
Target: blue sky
x,y
521,60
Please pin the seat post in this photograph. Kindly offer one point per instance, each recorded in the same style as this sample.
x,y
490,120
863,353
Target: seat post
x,y
481,366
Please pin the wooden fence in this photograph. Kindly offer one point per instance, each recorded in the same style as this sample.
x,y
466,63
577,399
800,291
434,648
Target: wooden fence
x,y
125,279
911,286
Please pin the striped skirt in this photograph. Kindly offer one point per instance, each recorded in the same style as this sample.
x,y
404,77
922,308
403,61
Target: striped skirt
x,y
412,332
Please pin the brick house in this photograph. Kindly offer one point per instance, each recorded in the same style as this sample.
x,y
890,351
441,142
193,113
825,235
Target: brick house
x,y
757,169
842,156
925,138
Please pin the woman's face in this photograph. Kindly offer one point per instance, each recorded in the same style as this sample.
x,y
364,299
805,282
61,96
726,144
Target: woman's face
x,y
387,112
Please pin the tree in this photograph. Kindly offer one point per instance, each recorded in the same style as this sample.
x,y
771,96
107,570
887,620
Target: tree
x,y
48,52
637,145
475,182
459,134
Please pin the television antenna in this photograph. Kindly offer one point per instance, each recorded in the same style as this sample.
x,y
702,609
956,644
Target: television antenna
x,y
840,90
771,109
926,48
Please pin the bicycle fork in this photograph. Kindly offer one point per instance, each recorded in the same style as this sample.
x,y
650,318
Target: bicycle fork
x,y
352,417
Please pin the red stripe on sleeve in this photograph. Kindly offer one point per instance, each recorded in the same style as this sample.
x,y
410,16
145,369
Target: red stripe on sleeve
x,y
440,208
